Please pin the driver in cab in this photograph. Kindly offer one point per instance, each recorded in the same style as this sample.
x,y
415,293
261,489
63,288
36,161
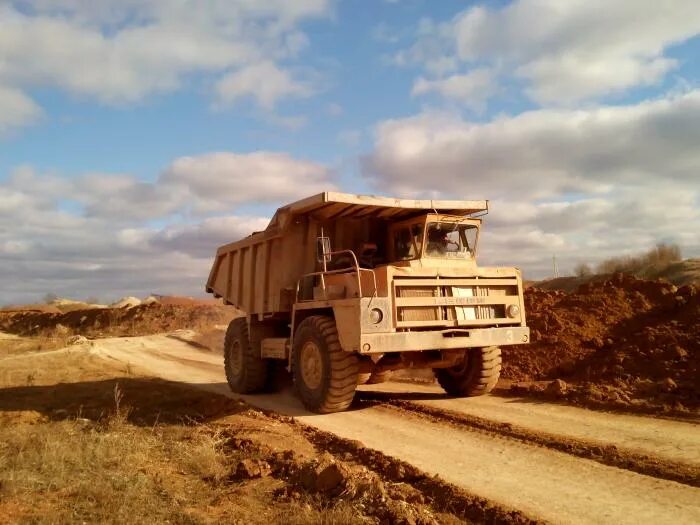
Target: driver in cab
x,y
437,242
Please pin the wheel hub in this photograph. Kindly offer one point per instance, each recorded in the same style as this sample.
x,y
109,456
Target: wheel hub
x,y
311,365
460,369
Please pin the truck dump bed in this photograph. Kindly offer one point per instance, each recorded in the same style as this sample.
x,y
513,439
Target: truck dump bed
x,y
259,274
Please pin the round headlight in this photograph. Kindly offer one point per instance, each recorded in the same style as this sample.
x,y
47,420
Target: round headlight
x,y
513,310
376,315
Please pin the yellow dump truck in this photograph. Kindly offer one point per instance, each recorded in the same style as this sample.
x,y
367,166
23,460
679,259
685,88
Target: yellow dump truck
x,y
344,289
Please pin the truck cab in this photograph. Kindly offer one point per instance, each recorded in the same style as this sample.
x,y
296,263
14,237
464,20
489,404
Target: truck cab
x,y
342,285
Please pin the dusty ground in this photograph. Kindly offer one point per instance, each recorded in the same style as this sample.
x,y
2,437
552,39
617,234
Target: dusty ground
x,y
143,428
89,439
549,462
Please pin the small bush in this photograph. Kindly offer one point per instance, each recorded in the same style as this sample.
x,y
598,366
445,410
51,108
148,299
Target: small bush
x,y
647,265
583,270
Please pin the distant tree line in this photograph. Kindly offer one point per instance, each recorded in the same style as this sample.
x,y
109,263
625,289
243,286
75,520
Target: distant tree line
x,y
648,264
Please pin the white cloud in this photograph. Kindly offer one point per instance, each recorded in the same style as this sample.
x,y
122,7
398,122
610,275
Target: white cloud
x,y
568,79
585,184
127,236
541,153
472,89
196,185
582,49
628,220
566,52
126,197
433,49
221,181
202,238
16,110
264,81
122,52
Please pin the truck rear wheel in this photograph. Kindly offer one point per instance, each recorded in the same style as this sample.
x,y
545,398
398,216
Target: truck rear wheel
x,y
476,376
324,375
246,371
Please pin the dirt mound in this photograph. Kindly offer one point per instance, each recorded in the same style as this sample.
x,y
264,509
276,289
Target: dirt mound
x,y
138,320
624,341
59,304
126,302
679,273
36,307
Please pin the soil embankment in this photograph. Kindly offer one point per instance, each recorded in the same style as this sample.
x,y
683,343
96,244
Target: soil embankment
x,y
621,342
144,319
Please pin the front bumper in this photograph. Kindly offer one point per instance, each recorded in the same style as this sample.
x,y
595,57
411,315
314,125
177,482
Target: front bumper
x,y
443,340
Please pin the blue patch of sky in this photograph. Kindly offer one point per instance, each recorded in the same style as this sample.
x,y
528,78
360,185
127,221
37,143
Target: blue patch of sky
x,y
69,206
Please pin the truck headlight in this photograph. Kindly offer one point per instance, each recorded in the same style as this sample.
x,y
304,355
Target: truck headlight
x,y
513,310
376,315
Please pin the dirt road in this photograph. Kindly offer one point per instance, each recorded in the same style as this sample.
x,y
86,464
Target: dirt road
x,y
515,453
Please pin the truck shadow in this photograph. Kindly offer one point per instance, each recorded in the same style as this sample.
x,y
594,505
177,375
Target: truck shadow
x,y
148,401
142,401
369,395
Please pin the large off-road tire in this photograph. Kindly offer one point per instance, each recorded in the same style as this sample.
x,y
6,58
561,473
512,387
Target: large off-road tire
x,y
476,376
246,371
325,376
363,377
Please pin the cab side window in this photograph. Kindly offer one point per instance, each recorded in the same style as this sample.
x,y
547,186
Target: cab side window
x,y
417,234
403,245
408,242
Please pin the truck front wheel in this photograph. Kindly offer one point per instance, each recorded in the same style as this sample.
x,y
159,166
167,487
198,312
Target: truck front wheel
x,y
246,371
324,375
476,376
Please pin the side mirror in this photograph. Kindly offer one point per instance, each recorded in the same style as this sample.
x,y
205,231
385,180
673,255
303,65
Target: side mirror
x,y
323,249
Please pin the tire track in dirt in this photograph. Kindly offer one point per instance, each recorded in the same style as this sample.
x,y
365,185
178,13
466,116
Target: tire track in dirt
x,y
440,494
542,483
608,455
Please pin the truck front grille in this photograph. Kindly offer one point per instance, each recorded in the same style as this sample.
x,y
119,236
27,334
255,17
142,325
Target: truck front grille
x,y
454,302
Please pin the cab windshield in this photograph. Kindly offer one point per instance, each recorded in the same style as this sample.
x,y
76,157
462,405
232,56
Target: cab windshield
x,y
451,240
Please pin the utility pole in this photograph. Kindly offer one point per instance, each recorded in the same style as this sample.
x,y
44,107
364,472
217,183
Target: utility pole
x,y
554,265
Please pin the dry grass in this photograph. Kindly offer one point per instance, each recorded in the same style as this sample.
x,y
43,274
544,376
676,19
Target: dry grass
x,y
648,265
81,443
77,471
24,345
82,440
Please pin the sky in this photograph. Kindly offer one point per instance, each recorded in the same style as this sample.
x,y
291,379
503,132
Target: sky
x,y
136,136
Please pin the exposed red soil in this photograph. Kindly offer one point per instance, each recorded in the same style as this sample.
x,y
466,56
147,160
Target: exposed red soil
x,y
623,341
139,320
